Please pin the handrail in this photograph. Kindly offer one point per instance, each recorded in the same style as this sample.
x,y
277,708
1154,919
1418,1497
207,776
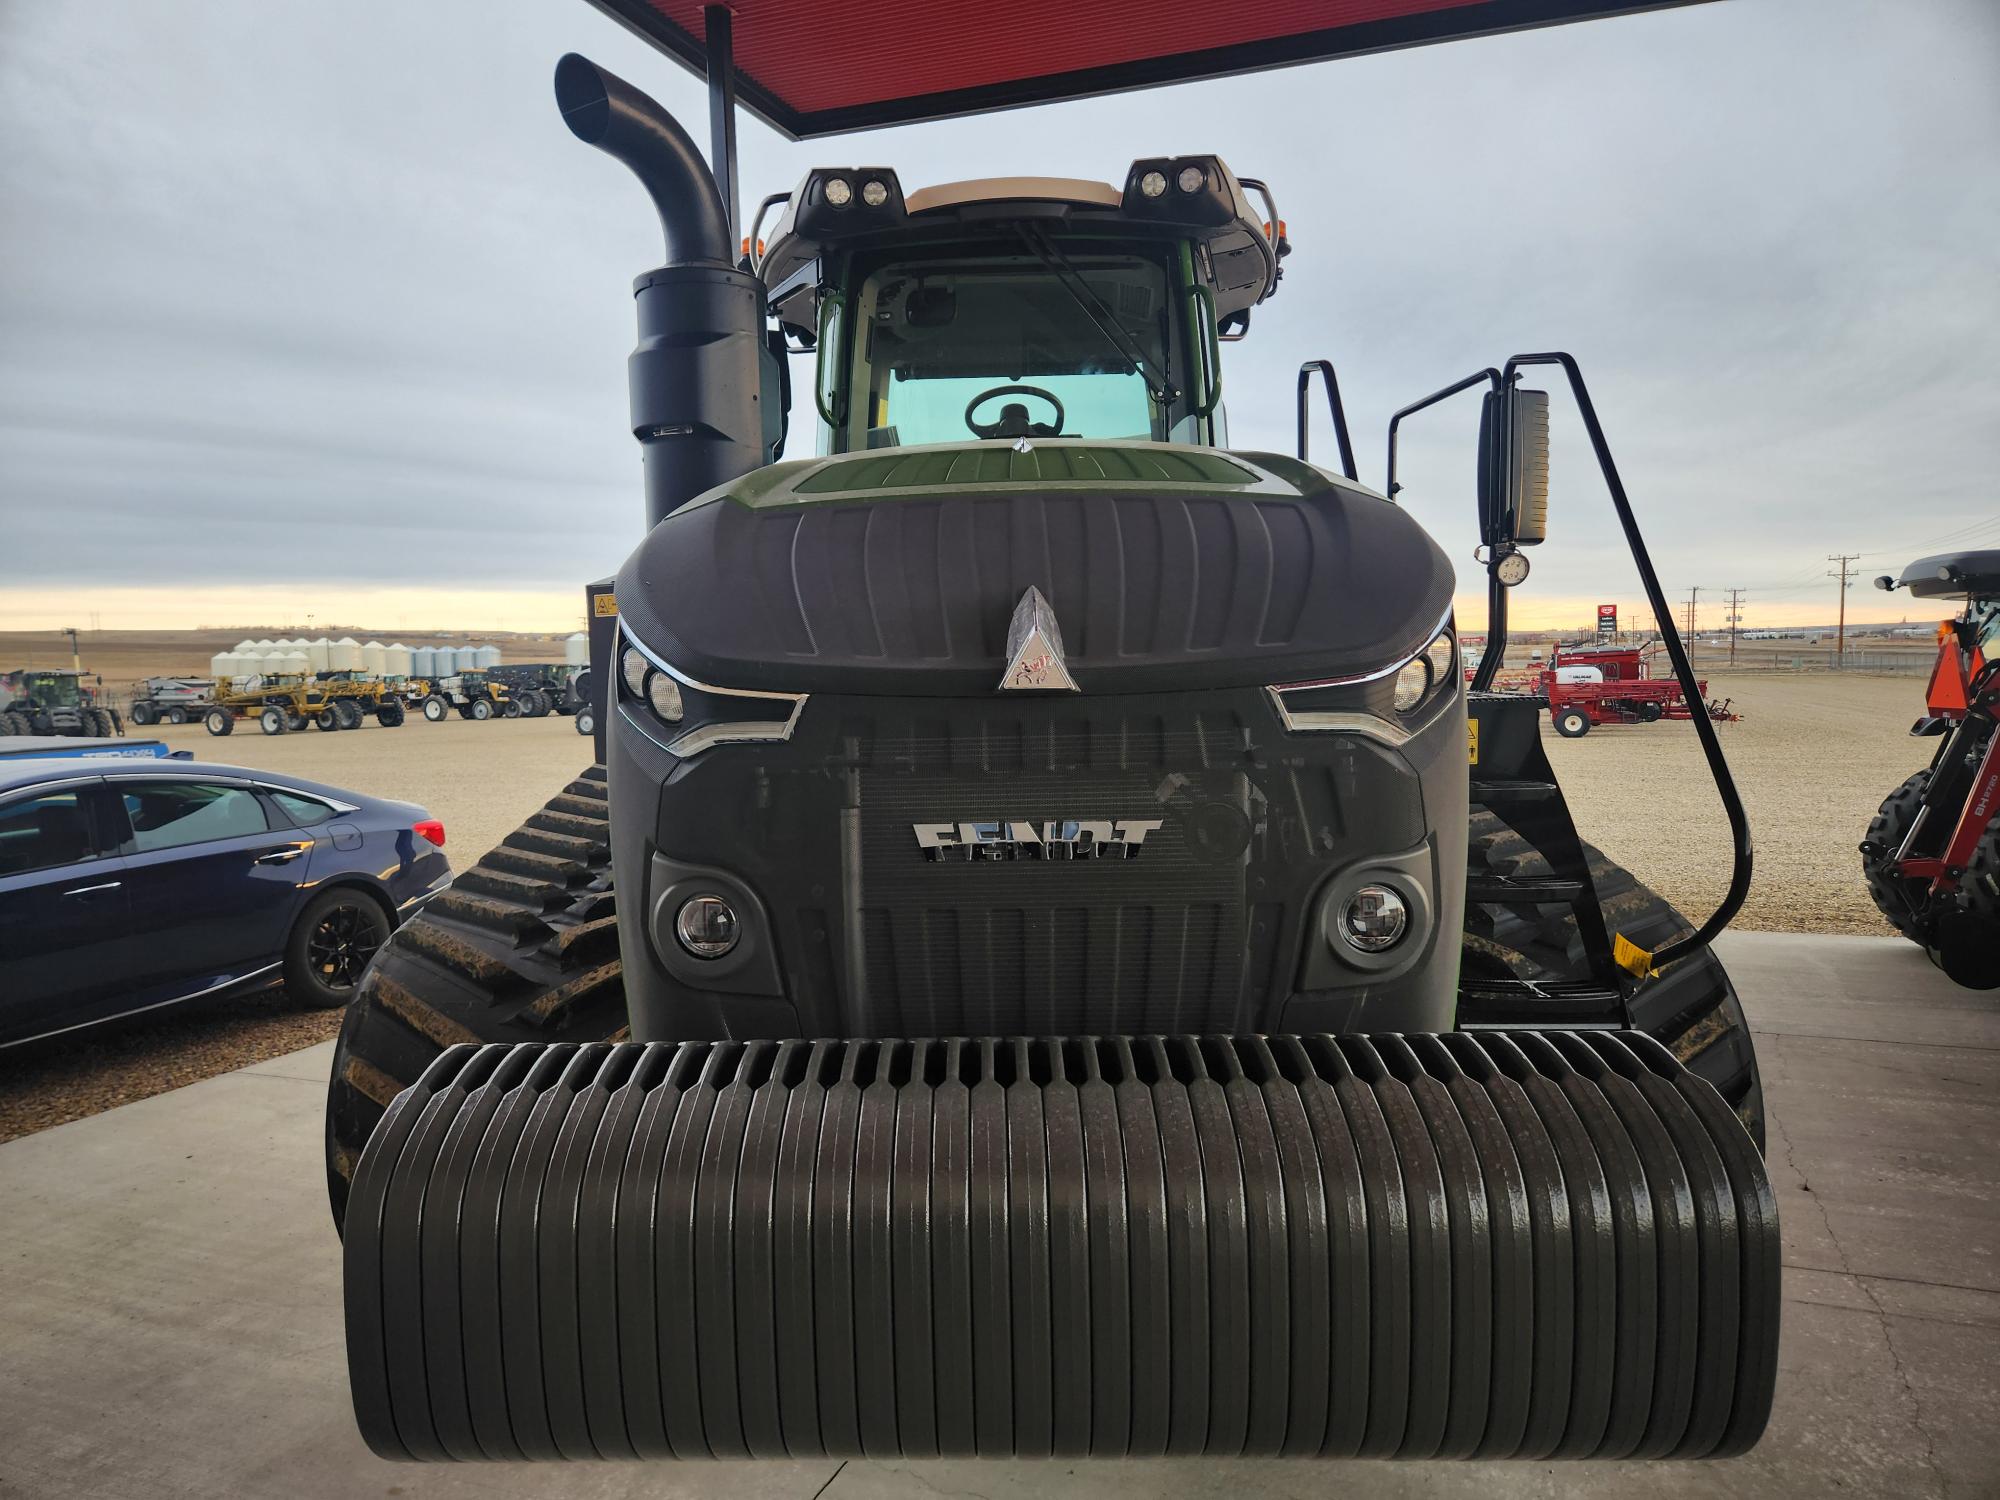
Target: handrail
x,y
1704,727
1325,368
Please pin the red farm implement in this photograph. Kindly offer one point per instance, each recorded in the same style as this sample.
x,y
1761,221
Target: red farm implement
x,y
1589,685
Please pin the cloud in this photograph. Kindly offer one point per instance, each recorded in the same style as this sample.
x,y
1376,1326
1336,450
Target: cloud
x,y
328,295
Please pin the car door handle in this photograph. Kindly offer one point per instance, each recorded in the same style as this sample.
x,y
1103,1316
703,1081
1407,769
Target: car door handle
x,y
91,890
279,856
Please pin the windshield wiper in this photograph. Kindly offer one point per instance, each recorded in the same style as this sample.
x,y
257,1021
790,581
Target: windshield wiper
x,y
1101,317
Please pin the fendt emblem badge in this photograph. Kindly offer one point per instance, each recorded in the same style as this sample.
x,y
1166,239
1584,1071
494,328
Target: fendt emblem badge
x,y
1035,650
1050,838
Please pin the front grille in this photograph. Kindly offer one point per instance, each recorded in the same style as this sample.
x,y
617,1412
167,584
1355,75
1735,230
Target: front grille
x,y
1149,943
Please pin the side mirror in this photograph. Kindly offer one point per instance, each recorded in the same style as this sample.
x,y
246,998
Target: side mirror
x,y
1885,583
1514,468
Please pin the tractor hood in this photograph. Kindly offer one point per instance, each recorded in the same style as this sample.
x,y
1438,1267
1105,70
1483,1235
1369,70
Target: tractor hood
x,y
1168,568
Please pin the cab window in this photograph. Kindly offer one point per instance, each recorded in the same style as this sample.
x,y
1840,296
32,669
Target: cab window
x,y
1090,336
173,814
42,833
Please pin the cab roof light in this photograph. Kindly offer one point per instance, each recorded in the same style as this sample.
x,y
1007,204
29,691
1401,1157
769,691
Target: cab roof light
x,y
1195,190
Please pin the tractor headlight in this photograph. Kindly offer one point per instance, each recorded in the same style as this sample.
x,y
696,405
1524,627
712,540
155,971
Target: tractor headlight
x,y
1374,919
1192,179
646,682
633,668
664,694
837,192
707,927
1412,683
1153,184
874,193
1424,673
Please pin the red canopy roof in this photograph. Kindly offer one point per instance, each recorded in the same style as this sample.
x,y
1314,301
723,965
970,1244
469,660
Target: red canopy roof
x,y
811,68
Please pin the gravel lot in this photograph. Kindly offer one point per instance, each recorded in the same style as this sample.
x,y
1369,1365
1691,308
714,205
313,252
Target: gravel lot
x,y
1814,754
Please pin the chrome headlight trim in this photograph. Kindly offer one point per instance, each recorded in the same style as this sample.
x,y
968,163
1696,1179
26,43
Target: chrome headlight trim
x,y
1394,731
707,736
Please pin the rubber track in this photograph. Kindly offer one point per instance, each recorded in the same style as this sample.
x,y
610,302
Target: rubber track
x,y
1691,1007
1504,1244
522,947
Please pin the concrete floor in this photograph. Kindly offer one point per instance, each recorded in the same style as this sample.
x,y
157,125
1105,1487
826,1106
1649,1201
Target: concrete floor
x,y
170,1324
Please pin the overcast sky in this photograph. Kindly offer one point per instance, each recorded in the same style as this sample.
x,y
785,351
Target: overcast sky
x,y
320,307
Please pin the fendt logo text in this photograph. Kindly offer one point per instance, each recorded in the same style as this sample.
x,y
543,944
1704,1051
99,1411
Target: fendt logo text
x,y
1051,838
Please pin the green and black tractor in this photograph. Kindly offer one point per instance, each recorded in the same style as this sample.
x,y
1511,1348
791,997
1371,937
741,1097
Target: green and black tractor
x,y
1055,959
50,701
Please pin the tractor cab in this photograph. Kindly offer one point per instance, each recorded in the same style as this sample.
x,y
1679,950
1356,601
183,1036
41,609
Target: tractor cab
x,y
1022,307
47,689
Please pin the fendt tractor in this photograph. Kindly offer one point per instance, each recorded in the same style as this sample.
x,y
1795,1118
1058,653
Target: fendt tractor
x,y
1932,854
1056,960
51,701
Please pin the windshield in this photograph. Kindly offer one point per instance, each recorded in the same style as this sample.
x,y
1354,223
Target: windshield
x,y
935,335
55,691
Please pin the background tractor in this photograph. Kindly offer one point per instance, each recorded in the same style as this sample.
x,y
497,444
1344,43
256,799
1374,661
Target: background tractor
x,y
542,687
172,700
49,701
1056,961
472,695
1932,854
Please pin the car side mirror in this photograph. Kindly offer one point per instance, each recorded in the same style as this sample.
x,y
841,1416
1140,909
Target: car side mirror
x,y
1514,468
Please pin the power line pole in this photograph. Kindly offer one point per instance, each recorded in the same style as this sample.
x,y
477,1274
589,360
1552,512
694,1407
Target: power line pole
x,y
1690,622
1840,638
1735,619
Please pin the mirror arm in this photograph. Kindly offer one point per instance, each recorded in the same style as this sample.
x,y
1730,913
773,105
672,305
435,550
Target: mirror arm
x,y
1663,615
1489,375
1325,368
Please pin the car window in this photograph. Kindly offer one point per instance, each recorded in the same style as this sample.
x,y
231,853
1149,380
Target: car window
x,y
171,814
306,812
40,833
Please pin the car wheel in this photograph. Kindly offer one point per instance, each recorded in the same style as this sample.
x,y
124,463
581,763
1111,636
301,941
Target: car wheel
x,y
390,714
1572,723
296,721
482,708
435,709
219,721
177,716
330,945
143,714
347,714
327,720
272,721
513,710
586,721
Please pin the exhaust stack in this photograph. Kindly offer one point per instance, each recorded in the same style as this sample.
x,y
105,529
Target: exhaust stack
x,y
697,375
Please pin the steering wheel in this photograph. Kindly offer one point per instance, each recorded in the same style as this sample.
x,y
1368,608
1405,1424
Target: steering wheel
x,y
1013,419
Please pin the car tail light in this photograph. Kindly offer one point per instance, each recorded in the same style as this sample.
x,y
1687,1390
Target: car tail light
x,y
430,828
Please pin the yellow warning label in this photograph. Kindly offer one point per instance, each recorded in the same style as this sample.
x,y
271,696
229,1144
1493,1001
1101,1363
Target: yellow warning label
x,y
1472,738
1630,957
605,604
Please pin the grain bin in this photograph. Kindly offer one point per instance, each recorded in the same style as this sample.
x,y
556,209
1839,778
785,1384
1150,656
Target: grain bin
x,y
576,650
296,662
319,653
371,658
222,664
423,662
486,657
396,660
344,655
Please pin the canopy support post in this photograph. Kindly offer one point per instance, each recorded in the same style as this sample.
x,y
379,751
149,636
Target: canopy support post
x,y
718,23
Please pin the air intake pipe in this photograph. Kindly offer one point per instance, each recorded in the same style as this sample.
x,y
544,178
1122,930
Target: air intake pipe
x,y
698,375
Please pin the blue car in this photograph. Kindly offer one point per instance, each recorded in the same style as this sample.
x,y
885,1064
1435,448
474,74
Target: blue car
x,y
130,885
